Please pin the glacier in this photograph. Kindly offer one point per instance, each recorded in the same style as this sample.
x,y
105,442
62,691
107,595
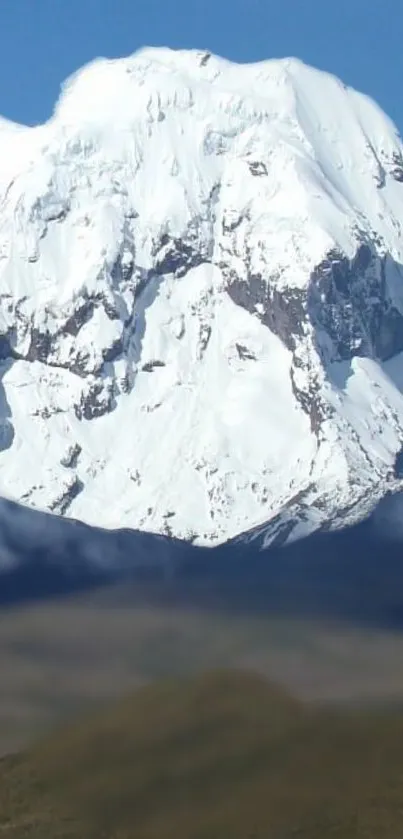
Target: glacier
x,y
201,300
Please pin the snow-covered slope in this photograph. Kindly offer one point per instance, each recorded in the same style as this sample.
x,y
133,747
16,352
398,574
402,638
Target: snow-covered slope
x,y
201,300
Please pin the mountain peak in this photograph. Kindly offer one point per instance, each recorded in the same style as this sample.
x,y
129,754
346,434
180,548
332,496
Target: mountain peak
x,y
201,307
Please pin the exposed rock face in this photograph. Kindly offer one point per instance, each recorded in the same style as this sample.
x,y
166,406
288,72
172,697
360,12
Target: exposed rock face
x,y
201,308
350,301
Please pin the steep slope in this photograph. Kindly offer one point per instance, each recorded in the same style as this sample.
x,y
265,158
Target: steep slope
x,y
201,298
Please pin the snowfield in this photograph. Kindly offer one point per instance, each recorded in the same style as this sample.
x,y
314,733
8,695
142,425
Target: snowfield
x,y
201,300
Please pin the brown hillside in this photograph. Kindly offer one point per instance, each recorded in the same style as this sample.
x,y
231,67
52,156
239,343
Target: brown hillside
x,y
223,756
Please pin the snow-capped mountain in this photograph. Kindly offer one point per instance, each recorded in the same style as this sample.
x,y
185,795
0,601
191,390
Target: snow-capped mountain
x,y
201,300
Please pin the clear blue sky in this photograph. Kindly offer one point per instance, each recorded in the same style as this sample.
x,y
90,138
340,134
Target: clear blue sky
x,y
44,41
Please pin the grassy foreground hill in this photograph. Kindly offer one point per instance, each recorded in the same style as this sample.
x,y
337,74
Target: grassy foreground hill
x,y
221,756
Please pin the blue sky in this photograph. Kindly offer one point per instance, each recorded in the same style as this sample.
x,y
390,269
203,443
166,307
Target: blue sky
x,y
44,41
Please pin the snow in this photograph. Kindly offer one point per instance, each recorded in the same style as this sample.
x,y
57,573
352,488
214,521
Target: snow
x,y
260,170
